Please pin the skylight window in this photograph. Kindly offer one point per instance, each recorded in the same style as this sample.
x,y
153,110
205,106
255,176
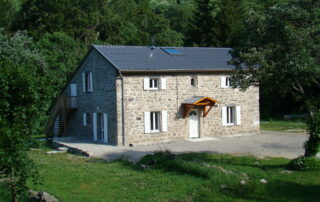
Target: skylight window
x,y
172,51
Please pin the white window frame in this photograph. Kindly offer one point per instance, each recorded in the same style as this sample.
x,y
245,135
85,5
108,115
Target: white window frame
x,y
87,82
154,83
155,120
227,84
231,116
85,118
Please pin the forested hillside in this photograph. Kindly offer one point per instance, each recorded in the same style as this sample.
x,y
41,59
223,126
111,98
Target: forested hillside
x,y
47,38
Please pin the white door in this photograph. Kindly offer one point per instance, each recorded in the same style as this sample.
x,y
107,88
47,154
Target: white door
x,y
194,123
94,126
73,93
104,127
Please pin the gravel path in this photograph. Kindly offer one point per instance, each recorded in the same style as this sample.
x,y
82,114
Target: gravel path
x,y
268,143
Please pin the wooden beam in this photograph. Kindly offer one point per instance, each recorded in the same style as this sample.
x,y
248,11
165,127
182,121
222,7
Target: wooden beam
x,y
205,112
186,109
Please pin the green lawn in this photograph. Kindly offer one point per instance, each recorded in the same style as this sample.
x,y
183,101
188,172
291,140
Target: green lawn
x,y
283,125
188,177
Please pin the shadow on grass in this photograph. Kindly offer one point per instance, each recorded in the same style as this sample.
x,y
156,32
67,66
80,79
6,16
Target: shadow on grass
x,y
280,190
167,161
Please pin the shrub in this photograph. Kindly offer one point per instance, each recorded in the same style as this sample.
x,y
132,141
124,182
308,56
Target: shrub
x,y
305,163
170,162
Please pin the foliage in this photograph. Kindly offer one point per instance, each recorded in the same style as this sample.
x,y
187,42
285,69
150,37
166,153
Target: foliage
x,y
79,19
179,13
62,54
8,8
201,29
22,102
312,145
134,23
305,163
228,23
282,51
169,162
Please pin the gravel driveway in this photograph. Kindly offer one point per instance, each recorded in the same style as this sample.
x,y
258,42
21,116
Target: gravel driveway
x,y
268,143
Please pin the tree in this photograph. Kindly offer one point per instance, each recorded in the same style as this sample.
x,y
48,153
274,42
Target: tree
x,y
62,55
178,12
79,19
228,24
134,23
8,9
201,30
282,52
23,94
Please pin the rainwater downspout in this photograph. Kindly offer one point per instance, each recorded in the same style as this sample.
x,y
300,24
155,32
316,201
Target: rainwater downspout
x,y
122,109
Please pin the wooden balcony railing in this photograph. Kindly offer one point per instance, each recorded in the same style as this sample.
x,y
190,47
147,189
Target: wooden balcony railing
x,y
63,104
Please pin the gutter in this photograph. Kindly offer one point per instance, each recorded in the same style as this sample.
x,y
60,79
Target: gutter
x,y
122,108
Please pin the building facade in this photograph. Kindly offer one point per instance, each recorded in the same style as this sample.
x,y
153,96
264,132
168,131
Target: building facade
x,y
124,95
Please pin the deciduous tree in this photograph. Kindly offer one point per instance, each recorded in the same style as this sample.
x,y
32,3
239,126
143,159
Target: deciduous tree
x,y
282,52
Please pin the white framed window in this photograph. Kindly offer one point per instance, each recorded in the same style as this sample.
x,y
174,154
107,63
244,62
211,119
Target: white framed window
x,y
225,82
156,121
86,118
231,115
87,82
228,82
154,83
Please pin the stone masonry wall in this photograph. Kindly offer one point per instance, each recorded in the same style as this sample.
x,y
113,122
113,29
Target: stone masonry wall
x,y
101,100
138,101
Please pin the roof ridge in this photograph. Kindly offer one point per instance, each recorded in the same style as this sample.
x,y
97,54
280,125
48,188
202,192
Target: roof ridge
x,y
197,47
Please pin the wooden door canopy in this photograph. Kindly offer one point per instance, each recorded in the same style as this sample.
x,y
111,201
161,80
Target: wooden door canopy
x,y
198,101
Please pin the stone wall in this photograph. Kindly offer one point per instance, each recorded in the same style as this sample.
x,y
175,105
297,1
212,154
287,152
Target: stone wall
x,y
138,101
101,100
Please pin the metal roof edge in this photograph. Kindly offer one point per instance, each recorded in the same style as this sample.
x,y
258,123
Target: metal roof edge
x,y
178,71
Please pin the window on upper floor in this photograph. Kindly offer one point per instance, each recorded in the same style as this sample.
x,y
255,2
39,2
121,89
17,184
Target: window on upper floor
x,y
228,82
155,83
193,82
87,82
225,82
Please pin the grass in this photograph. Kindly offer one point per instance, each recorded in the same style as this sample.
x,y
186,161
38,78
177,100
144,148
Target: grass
x,y
187,177
283,125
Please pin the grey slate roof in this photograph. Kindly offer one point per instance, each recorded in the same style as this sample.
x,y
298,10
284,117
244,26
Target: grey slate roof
x,y
144,58
192,99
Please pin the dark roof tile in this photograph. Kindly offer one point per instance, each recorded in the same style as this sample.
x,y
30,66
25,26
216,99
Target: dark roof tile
x,y
144,58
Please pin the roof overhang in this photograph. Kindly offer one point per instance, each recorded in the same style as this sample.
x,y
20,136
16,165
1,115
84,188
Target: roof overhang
x,y
196,101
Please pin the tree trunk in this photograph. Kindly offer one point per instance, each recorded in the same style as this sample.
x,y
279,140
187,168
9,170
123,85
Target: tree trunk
x,y
312,146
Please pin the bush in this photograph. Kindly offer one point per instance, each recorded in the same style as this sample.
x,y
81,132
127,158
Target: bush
x,y
170,162
305,163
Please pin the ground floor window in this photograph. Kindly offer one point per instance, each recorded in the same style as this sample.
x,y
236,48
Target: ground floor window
x,y
154,121
231,115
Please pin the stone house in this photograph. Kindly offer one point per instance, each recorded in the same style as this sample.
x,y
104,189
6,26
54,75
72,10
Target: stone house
x,y
124,95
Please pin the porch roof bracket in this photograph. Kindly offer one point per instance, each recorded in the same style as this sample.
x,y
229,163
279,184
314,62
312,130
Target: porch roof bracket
x,y
199,102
